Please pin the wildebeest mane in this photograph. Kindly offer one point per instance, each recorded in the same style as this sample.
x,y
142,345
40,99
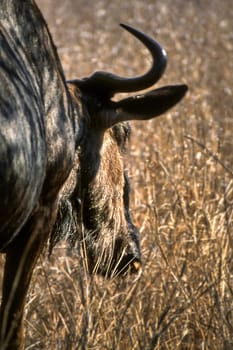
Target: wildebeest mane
x,y
68,225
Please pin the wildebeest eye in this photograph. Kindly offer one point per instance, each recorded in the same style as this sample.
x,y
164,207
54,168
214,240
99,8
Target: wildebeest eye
x,y
92,103
121,134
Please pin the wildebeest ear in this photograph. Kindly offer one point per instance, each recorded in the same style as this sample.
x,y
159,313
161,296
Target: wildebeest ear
x,y
151,104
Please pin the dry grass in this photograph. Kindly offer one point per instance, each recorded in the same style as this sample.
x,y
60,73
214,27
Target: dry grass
x,y
182,189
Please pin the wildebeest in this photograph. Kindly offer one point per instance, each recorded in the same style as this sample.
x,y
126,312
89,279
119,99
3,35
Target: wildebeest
x,y
61,156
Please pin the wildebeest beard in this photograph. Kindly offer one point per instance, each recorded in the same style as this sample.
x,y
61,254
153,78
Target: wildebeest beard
x,y
94,212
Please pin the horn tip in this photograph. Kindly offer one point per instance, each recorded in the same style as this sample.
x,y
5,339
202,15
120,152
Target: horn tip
x,y
123,25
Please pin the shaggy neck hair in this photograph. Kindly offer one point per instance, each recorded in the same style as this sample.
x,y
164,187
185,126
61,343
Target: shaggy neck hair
x,y
93,207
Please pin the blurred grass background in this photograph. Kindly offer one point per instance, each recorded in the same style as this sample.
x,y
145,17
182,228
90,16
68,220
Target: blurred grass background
x,y
181,170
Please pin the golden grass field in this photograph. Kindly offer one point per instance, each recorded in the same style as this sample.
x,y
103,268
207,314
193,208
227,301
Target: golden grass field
x,y
181,170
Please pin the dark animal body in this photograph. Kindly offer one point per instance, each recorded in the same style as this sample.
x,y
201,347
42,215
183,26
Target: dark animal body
x,y
61,157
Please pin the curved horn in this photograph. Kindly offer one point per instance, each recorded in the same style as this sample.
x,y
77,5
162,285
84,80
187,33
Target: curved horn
x,y
105,85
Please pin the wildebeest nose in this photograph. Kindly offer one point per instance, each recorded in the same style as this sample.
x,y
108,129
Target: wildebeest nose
x,y
129,264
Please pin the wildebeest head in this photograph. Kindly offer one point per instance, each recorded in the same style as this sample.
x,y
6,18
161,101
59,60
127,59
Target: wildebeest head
x,y
94,205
